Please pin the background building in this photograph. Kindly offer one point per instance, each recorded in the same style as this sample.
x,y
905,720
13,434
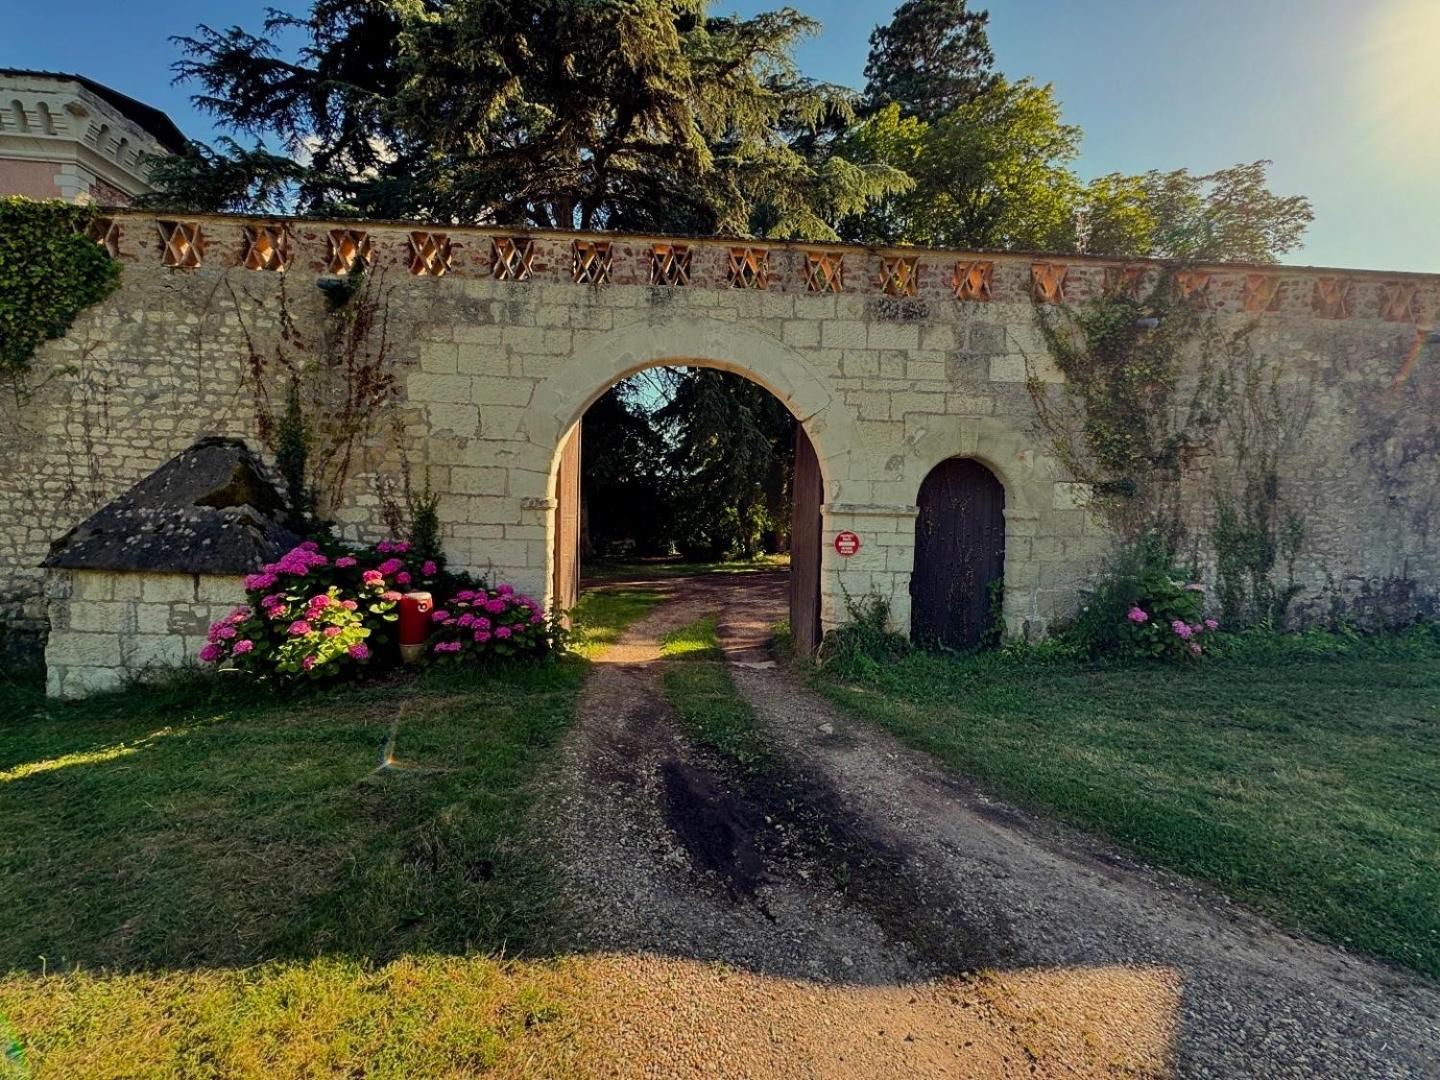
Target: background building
x,y
67,137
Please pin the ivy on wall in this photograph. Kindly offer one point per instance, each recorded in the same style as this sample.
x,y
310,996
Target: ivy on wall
x,y
50,271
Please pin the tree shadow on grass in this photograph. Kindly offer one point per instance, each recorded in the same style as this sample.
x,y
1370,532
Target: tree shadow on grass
x,y
144,831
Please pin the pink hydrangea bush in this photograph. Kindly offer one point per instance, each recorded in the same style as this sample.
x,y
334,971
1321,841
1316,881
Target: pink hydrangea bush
x,y
1144,607
311,614
485,621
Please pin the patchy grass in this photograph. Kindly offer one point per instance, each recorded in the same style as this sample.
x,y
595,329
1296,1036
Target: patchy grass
x,y
704,697
602,615
207,882
662,569
1302,779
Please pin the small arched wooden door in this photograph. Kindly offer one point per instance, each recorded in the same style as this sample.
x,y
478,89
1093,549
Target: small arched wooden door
x,y
959,555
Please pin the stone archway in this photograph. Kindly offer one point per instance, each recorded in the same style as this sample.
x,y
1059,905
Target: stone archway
x,y
824,425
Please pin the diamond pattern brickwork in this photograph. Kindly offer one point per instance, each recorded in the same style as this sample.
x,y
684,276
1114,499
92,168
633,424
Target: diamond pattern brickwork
x,y
592,262
748,268
824,271
1047,282
1332,297
350,250
972,280
105,232
670,265
184,244
430,254
899,275
267,247
512,258
1261,292
1400,301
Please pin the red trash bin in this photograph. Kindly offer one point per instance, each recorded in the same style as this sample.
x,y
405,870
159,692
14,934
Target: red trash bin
x,y
415,608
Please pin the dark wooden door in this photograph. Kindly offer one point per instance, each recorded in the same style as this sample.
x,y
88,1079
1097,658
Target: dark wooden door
x,y
959,553
805,546
567,524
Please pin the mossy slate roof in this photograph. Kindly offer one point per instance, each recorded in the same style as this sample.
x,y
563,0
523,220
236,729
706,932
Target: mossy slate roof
x,y
208,510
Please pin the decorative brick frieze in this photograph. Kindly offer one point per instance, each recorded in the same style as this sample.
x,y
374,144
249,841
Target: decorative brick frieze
x,y
350,250
1047,282
430,254
591,262
1332,297
824,271
512,258
748,268
183,244
899,275
1261,293
670,265
267,247
972,280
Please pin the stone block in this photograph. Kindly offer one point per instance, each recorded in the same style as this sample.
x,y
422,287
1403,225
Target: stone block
x,y
82,649
167,588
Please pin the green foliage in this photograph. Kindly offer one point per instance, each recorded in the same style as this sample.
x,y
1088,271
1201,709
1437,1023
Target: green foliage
x,y
1144,608
425,527
932,56
1251,540
994,172
700,690
643,115
50,271
292,458
230,179
1230,214
866,642
1120,423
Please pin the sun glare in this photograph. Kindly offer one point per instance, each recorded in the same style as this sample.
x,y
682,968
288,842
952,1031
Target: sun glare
x,y
1403,80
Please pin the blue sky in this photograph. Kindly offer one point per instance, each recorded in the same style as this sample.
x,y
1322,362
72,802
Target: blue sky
x,y
1343,96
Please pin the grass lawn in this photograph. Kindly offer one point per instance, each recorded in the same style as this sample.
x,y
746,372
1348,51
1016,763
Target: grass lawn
x,y
202,882
705,698
1306,784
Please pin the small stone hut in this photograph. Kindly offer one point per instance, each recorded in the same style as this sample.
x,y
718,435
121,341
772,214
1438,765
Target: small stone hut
x,y
133,588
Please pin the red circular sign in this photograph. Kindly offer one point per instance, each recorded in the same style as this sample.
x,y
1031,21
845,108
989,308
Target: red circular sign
x,y
847,543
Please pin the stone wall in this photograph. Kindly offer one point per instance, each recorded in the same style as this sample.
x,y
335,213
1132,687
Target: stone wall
x,y
109,628
919,356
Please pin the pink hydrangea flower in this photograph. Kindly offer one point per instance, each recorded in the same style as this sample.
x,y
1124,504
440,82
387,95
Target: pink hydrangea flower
x,y
495,607
400,546
482,622
402,578
1138,615
239,615
428,568
536,619
299,627
308,662
384,547
344,562
390,595
360,651
504,590
447,646
210,653
320,600
1211,624
439,615
1195,648
372,577
332,631
272,600
309,545
243,646
502,631
482,635
1181,629
225,633
259,581
389,566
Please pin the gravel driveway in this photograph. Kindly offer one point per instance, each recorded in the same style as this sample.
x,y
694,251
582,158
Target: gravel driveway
x,y
857,912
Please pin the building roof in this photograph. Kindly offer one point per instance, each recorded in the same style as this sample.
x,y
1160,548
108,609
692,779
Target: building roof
x,y
208,510
153,120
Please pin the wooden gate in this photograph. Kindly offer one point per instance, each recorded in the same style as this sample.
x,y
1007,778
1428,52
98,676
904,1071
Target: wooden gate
x,y
959,555
805,527
566,583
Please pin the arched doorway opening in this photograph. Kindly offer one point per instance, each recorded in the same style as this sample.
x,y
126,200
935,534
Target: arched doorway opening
x,y
955,590
657,469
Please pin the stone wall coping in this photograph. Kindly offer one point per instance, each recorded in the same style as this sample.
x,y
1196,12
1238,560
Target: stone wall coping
x,y
839,247
872,509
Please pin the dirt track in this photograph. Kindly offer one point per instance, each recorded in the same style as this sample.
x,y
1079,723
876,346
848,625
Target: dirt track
x,y
856,912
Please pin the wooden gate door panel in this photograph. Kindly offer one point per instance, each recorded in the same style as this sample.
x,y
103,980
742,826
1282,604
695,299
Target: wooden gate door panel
x,y
959,552
566,584
805,527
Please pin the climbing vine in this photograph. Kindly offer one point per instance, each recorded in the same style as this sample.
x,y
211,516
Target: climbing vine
x,y
50,271
1182,433
1125,421
336,384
